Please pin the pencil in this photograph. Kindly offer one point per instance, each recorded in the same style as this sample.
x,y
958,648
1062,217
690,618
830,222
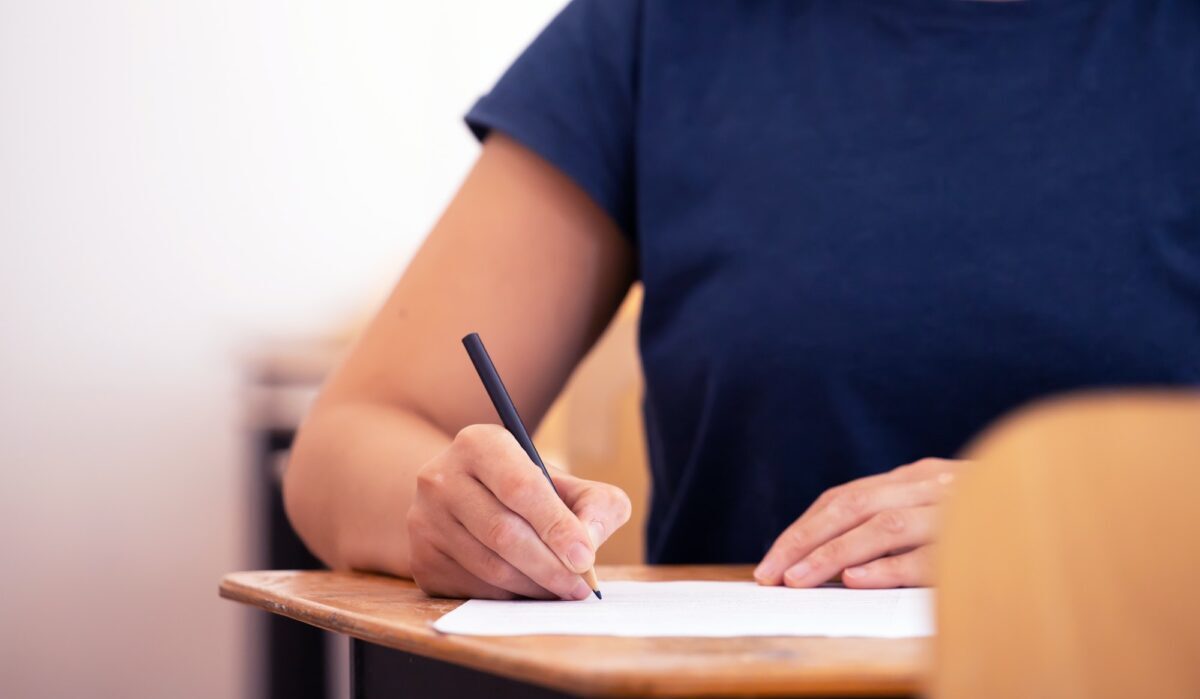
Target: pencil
x,y
512,421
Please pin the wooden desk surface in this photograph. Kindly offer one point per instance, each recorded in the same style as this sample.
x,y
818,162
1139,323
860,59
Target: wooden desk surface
x,y
395,613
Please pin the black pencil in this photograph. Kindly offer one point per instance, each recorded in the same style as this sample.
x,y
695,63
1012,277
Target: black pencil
x,y
512,421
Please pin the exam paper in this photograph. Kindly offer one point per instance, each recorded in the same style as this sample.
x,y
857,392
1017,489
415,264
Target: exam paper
x,y
711,609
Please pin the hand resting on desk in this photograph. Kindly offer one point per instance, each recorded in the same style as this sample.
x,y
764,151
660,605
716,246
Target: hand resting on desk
x,y
876,531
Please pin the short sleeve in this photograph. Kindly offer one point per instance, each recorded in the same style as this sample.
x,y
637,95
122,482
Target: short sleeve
x,y
570,98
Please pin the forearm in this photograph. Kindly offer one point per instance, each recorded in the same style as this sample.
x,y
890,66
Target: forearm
x,y
351,480
520,247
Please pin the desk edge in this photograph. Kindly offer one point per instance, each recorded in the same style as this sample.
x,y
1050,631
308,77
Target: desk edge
x,y
445,647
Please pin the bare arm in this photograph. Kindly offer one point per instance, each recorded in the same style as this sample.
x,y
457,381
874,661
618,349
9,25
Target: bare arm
x,y
527,259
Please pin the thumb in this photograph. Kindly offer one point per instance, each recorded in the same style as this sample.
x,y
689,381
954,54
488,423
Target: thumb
x,y
601,507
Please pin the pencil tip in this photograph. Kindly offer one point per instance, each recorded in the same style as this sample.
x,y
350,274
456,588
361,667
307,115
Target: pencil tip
x,y
598,595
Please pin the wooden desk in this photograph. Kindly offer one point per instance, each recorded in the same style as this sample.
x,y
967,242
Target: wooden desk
x,y
397,652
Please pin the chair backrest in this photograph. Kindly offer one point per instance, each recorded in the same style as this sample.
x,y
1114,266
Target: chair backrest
x,y
1069,560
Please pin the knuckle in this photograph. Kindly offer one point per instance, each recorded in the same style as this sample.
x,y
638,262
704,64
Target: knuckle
x,y
825,497
925,464
473,433
892,521
827,554
430,479
467,439
851,502
559,531
503,533
795,537
478,439
512,482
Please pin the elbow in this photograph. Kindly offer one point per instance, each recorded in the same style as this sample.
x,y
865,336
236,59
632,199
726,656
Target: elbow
x,y
306,497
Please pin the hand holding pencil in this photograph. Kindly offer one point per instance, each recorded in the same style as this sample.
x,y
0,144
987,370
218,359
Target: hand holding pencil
x,y
486,523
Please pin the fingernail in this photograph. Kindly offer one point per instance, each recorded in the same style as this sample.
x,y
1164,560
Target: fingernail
x,y
856,572
596,531
580,556
766,571
581,591
797,572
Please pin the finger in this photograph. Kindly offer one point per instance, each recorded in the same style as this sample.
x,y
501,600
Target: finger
x,y
602,508
856,484
513,539
941,470
435,531
769,571
844,511
931,467
483,563
522,488
438,575
884,532
912,569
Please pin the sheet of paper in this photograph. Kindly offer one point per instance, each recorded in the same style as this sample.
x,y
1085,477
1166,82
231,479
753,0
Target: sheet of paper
x,y
712,609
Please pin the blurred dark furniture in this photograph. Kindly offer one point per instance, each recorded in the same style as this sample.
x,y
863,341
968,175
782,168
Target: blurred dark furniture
x,y
282,380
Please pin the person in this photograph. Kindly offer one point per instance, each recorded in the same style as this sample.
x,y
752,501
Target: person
x,y
865,229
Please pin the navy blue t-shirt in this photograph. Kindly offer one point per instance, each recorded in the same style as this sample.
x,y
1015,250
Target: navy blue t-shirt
x,y
867,228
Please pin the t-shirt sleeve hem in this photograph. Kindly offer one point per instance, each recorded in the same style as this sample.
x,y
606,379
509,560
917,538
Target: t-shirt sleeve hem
x,y
552,148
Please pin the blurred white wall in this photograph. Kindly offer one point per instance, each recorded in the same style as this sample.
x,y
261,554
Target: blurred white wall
x,y
176,177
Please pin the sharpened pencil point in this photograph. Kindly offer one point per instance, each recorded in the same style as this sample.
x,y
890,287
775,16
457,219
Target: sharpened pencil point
x,y
598,595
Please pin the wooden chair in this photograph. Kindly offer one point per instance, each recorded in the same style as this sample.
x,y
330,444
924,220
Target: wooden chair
x,y
1069,562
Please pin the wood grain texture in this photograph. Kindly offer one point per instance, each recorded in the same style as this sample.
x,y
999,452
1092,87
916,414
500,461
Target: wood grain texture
x,y
1070,556
395,613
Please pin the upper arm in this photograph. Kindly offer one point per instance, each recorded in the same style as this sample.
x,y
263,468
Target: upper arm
x,y
523,257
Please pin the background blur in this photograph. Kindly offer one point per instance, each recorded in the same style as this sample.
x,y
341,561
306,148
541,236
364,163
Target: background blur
x,y
180,182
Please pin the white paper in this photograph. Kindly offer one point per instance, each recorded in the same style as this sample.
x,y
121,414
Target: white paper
x,y
710,609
